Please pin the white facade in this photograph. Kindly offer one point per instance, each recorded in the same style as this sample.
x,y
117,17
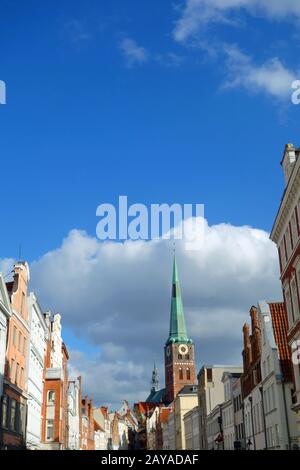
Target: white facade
x,y
191,429
37,351
228,410
211,394
171,431
100,440
5,314
56,340
280,420
73,414
214,430
228,425
238,413
151,423
286,234
254,420
101,417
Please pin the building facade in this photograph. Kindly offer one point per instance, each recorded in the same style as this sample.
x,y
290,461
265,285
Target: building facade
x,y
228,410
210,395
74,414
277,378
286,234
37,352
14,399
238,410
185,401
191,429
55,409
5,315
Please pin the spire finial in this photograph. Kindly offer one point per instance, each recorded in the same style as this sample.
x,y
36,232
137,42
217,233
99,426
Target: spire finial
x,y
154,380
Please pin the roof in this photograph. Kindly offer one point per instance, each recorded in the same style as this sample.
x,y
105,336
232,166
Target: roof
x,y
178,332
97,426
189,390
163,417
280,329
158,396
143,407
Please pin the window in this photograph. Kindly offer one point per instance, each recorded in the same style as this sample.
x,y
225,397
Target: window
x,y
12,421
289,306
14,336
288,242
12,365
50,429
188,374
209,375
180,374
22,304
24,346
179,357
4,411
21,376
20,341
294,229
51,396
295,297
17,373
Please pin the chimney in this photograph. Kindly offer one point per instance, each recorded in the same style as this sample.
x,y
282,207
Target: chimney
x,y
288,161
254,318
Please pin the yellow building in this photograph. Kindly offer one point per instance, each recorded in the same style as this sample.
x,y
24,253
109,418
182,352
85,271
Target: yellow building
x,y
185,401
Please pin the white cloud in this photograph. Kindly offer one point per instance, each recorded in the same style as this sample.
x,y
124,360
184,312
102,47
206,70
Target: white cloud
x,y
133,53
197,14
271,77
116,296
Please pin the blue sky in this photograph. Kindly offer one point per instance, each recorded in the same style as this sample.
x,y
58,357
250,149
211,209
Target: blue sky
x,y
80,127
111,98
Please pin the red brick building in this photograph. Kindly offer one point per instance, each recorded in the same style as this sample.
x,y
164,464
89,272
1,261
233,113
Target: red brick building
x,y
54,409
88,424
251,376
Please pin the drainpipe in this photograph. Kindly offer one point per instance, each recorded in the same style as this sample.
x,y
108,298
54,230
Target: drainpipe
x,y
252,423
264,416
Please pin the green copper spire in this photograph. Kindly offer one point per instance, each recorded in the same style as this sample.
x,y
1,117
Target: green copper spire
x,y
178,333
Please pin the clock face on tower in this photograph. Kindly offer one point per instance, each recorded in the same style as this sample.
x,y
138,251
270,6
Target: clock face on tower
x,y
183,349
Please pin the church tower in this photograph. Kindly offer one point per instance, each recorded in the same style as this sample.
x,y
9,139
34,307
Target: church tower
x,y
179,348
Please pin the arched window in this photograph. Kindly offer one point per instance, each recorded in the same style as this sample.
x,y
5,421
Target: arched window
x,y
180,372
188,374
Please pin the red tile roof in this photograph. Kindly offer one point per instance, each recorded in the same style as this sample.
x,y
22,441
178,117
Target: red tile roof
x,y
280,328
164,415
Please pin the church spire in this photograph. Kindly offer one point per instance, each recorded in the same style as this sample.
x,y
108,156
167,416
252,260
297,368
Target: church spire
x,y
178,332
154,380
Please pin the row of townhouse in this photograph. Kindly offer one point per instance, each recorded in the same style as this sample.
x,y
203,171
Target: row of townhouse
x,y
233,407
41,407
256,406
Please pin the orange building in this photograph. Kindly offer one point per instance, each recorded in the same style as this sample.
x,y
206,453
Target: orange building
x,y
14,400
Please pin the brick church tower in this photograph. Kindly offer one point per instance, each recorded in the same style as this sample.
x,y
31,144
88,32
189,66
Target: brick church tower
x,y
179,349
